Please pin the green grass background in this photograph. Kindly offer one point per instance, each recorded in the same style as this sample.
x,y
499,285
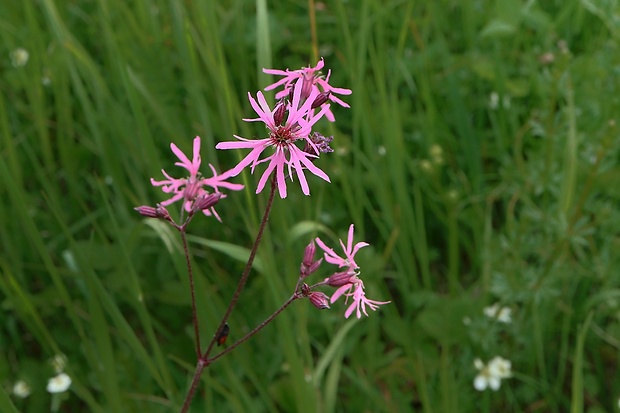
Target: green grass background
x,y
465,203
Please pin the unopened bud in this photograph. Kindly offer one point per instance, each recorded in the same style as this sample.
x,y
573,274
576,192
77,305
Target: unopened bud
x,y
306,270
320,99
308,265
319,300
150,212
341,278
206,201
278,115
309,254
306,88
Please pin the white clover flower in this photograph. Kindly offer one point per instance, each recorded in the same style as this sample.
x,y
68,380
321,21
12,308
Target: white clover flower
x,y
59,383
21,389
491,374
501,314
59,362
19,57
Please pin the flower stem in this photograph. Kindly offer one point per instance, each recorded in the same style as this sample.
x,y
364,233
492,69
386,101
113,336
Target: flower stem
x,y
192,389
203,359
248,267
257,328
191,288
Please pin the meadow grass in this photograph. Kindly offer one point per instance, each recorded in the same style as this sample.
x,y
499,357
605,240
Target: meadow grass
x,y
478,158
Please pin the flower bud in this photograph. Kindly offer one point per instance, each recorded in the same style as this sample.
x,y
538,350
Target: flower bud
x,y
278,115
206,201
309,254
150,212
308,265
306,270
341,278
320,99
319,300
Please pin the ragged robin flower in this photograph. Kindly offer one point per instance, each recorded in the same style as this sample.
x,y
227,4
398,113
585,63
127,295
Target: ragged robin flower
x,y
312,80
348,282
283,138
191,189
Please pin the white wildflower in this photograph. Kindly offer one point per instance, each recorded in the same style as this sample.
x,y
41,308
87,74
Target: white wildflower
x,y
501,314
21,389
59,383
491,374
19,57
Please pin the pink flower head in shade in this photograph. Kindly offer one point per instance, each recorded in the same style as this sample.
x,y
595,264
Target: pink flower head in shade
x,y
349,252
283,136
191,188
360,302
312,80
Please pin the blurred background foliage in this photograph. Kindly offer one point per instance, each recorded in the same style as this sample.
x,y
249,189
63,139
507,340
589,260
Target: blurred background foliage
x,y
479,159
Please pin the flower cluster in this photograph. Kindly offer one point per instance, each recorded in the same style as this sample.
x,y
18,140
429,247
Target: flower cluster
x,y
312,80
346,281
61,381
501,314
294,146
490,375
191,190
290,122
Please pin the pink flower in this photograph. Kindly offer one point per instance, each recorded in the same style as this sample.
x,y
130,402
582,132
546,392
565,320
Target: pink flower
x,y
191,188
360,302
311,80
348,282
282,137
349,252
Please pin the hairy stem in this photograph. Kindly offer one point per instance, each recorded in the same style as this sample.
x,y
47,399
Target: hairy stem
x,y
257,328
248,267
192,388
191,288
203,361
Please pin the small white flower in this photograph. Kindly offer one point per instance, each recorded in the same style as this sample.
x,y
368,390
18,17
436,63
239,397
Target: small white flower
x,y
491,374
59,383
501,314
500,367
19,57
381,150
21,389
58,362
485,379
